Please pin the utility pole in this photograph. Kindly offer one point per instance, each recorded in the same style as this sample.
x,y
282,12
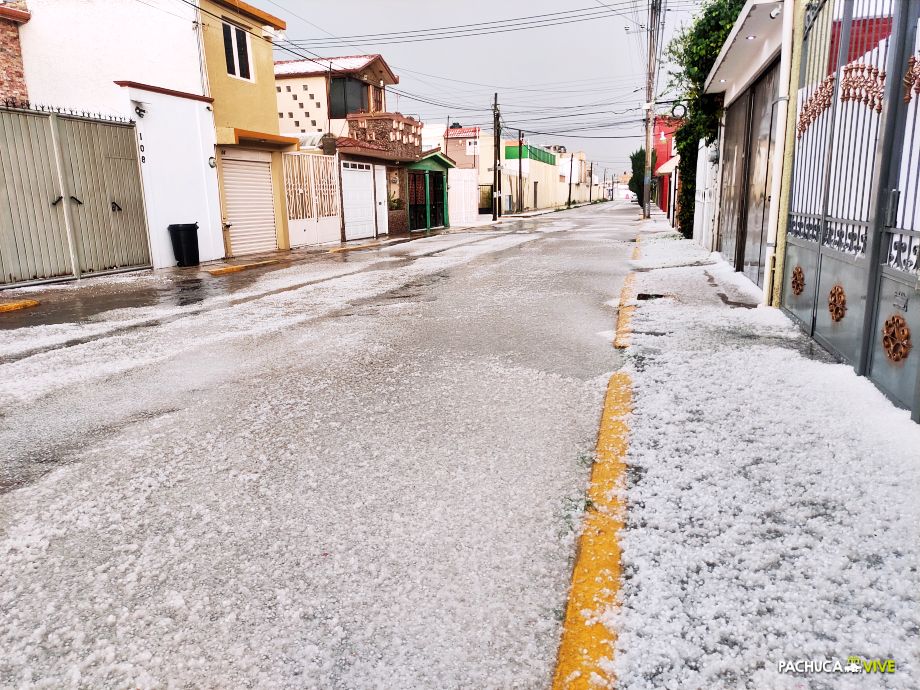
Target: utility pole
x,y
520,191
654,10
496,172
571,164
591,183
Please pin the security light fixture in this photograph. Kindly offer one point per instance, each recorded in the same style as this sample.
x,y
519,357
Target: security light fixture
x,y
721,81
776,12
750,38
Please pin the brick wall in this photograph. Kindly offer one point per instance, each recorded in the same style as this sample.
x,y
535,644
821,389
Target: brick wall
x,y
401,135
12,80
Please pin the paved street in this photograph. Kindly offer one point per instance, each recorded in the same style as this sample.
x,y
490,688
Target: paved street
x,y
361,472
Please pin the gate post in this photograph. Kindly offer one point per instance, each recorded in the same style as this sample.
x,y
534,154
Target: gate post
x,y
64,192
888,142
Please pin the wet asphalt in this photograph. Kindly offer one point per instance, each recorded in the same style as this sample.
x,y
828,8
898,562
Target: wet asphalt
x,y
415,457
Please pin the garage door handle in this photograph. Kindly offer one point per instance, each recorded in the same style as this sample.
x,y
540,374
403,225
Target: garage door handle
x,y
57,201
73,198
115,206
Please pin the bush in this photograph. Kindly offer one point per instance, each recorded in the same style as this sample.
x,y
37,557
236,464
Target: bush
x,y
637,181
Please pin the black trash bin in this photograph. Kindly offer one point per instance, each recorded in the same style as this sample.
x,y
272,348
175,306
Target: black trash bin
x,y
184,238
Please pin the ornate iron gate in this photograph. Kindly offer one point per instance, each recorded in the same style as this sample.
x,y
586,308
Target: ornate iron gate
x,y
848,257
894,332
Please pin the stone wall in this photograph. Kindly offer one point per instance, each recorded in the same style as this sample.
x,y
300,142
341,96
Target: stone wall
x,y
12,79
401,135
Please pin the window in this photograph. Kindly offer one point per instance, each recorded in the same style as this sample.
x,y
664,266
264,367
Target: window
x,y
347,96
305,88
236,51
297,123
288,87
278,88
377,99
472,147
313,122
301,105
311,96
294,96
280,115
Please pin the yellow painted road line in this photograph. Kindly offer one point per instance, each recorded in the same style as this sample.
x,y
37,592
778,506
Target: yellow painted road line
x,y
586,642
236,268
369,245
18,304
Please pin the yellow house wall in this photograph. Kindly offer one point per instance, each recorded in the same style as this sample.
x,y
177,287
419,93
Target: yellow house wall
x,y
239,103
244,104
783,222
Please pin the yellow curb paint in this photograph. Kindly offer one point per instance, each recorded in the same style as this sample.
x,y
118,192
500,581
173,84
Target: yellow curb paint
x,y
586,642
625,311
624,314
337,250
18,304
236,268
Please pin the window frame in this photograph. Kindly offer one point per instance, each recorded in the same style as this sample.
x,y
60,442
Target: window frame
x,y
235,30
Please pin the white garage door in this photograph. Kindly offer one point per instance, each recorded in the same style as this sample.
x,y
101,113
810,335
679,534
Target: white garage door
x,y
249,201
358,200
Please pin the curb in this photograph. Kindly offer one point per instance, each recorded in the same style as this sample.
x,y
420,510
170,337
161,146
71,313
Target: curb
x,y
236,268
624,313
370,245
587,644
18,305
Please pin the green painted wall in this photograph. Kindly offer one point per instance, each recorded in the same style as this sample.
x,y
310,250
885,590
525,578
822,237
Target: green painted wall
x,y
537,154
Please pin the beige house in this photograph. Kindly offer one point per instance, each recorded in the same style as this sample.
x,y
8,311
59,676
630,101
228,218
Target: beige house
x,y
318,95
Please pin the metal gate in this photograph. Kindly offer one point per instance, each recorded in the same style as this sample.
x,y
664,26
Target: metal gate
x,y
311,184
849,278
71,201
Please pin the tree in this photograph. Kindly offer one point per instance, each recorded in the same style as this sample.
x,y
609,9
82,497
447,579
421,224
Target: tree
x,y
637,181
695,50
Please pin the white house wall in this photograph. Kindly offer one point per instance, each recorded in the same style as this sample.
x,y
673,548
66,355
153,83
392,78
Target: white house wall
x,y
462,196
302,110
75,51
177,139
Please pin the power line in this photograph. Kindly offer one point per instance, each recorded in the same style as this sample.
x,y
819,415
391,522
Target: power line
x,y
430,35
512,20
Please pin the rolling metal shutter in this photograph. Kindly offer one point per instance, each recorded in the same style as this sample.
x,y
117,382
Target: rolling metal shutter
x,y
250,206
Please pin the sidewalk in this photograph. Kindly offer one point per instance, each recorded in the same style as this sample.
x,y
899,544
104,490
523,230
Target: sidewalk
x,y
773,497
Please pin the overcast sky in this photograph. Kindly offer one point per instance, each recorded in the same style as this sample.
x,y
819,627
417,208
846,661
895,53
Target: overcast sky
x,y
540,74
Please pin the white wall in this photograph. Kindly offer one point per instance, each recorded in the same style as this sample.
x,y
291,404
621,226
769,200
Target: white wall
x,y
176,138
704,209
73,53
462,196
74,50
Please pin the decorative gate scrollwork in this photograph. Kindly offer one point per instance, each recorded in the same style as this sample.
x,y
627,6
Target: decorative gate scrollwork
x,y
837,303
896,338
798,281
912,78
